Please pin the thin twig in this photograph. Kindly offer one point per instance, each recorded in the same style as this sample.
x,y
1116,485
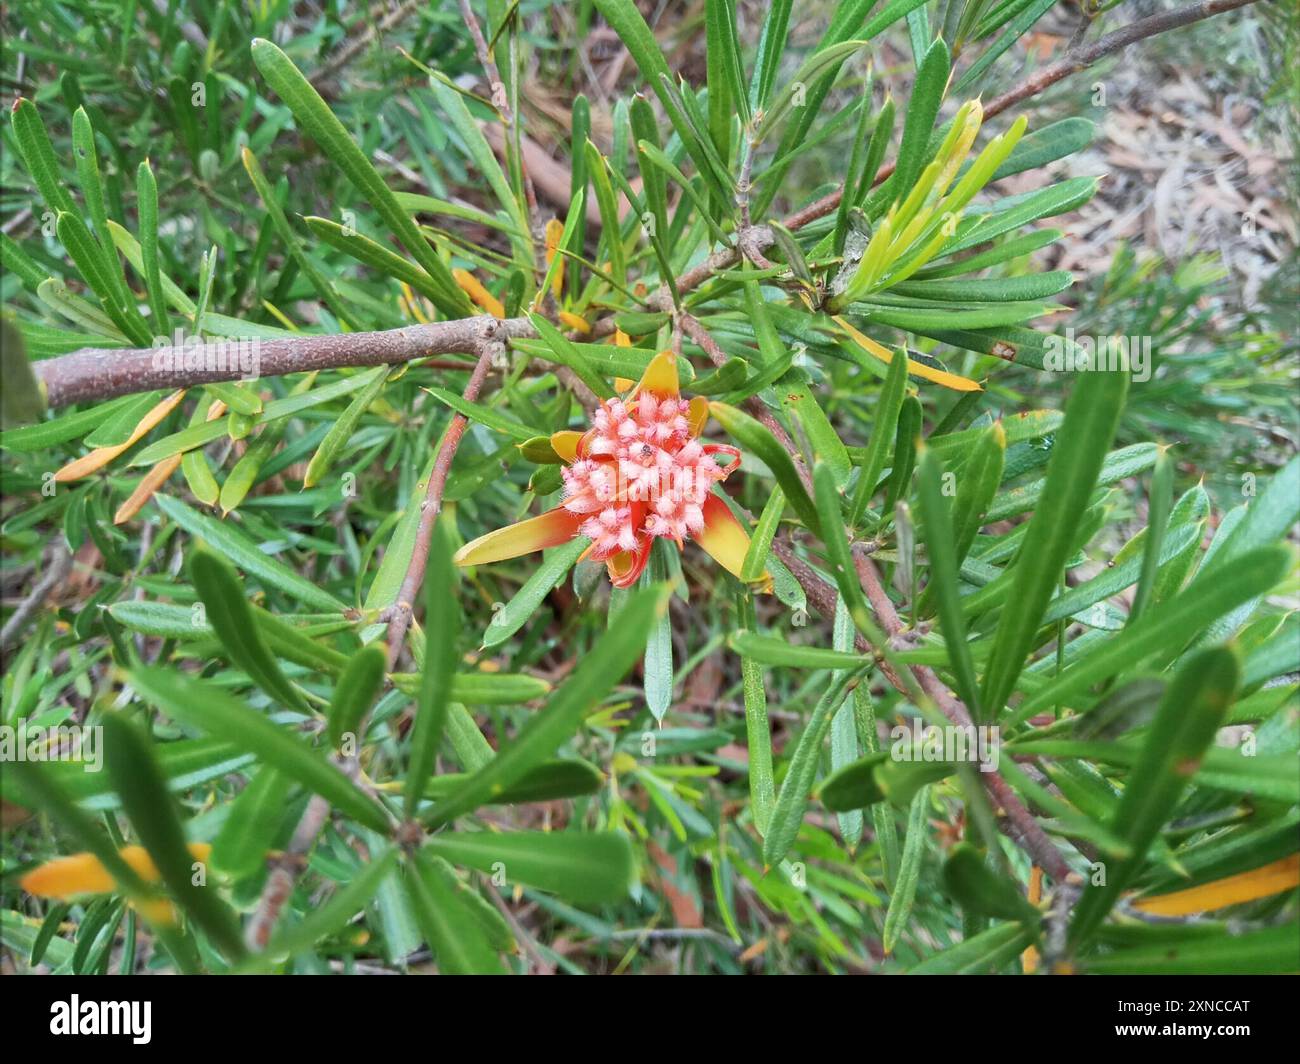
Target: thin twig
x,y
823,597
400,620
1020,825
522,934
284,872
355,45
60,566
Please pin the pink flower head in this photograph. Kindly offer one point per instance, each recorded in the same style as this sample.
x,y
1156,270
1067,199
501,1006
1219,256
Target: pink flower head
x,y
639,473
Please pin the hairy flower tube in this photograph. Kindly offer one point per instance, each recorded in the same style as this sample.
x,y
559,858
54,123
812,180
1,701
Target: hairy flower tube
x,y
638,474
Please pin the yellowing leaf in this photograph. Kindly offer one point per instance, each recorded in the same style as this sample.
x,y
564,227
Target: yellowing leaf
x,y
101,456
574,322
157,476
1231,890
82,873
149,483
554,233
481,297
565,444
916,369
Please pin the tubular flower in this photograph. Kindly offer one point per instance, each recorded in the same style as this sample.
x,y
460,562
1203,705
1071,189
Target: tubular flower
x,y
638,474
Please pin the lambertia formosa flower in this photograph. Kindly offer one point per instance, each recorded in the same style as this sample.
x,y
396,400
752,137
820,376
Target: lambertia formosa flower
x,y
640,473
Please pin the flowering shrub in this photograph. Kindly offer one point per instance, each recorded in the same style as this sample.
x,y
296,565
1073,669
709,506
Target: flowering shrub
x,y
954,683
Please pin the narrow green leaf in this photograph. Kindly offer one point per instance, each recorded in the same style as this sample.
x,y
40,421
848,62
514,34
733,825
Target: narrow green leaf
x,y
231,617
487,415
878,778
323,286
723,66
553,779
754,436
982,290
94,268
1015,211
977,486
458,939
1185,725
252,824
38,156
657,666
92,191
797,397
792,799
223,538
760,542
822,64
758,735
844,731
1016,29
1160,502
611,239
526,601
442,621
325,921
153,814
1268,519
1229,951
614,653
979,889
567,353
767,650
608,360
483,688
838,553
210,709
883,432
354,693
986,952
859,159
341,431
1054,141
940,544
771,47
202,434
1012,248
918,124
1176,623
909,871
905,443
147,208
373,254
1091,418
485,161
587,868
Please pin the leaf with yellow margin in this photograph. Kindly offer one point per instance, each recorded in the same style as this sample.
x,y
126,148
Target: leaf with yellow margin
x,y
1231,890
916,369
101,456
